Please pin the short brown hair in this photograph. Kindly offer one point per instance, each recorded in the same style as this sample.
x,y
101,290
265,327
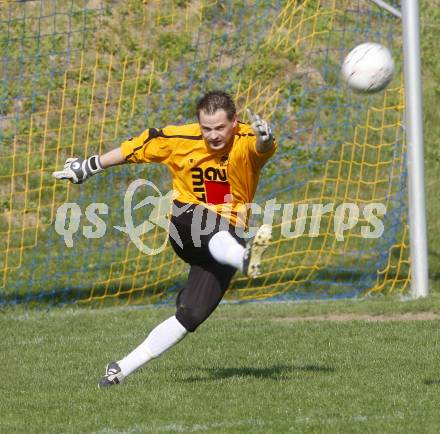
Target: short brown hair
x,y
216,100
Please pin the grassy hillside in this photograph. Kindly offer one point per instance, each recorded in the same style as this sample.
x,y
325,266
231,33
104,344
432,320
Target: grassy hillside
x,y
430,47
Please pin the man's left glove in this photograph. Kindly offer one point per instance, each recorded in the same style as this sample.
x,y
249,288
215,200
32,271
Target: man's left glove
x,y
77,170
262,129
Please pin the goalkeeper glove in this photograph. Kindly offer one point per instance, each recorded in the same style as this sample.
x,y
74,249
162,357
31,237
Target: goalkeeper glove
x,y
262,130
77,170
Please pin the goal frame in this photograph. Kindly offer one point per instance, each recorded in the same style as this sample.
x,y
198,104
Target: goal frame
x,y
410,17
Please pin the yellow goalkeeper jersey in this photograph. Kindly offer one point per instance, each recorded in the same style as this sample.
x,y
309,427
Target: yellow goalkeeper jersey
x,y
224,181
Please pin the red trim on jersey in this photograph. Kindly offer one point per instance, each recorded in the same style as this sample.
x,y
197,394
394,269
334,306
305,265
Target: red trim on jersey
x,y
218,192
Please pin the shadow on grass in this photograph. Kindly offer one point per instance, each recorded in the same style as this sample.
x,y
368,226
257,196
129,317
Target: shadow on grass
x,y
431,382
274,372
100,295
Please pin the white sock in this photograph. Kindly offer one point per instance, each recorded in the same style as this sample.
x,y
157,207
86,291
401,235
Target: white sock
x,y
226,249
160,339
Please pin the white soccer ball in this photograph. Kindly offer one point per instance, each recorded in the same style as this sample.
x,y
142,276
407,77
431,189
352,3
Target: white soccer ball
x,y
368,68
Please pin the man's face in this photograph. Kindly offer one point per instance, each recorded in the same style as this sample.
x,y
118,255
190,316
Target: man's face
x,y
217,129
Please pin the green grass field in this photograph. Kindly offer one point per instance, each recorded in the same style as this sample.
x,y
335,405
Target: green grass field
x,y
324,367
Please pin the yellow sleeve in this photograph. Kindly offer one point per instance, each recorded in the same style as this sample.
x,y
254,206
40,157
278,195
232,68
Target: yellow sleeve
x,y
150,147
259,159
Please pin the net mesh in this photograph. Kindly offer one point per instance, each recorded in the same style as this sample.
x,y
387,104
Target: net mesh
x,y
79,77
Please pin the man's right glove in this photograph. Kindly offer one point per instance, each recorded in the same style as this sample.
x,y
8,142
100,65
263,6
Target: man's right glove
x,y
77,170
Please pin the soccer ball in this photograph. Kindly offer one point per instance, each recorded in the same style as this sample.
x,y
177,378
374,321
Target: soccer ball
x,y
368,68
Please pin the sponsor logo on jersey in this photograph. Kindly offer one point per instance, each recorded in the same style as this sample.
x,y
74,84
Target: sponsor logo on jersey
x,y
210,185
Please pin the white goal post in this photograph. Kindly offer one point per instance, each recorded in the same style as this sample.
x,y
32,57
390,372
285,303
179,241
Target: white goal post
x,y
414,139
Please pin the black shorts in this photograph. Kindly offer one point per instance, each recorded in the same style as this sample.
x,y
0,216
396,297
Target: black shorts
x,y
208,280
192,227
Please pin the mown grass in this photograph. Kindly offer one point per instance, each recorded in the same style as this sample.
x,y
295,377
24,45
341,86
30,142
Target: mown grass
x,y
250,368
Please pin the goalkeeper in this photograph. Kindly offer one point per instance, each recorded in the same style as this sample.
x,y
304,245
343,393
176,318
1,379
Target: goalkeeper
x,y
215,166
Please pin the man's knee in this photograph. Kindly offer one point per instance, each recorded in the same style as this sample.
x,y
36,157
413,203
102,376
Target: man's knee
x,y
190,318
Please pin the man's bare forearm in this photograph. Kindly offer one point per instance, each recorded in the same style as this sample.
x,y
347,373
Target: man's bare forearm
x,y
111,158
264,146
